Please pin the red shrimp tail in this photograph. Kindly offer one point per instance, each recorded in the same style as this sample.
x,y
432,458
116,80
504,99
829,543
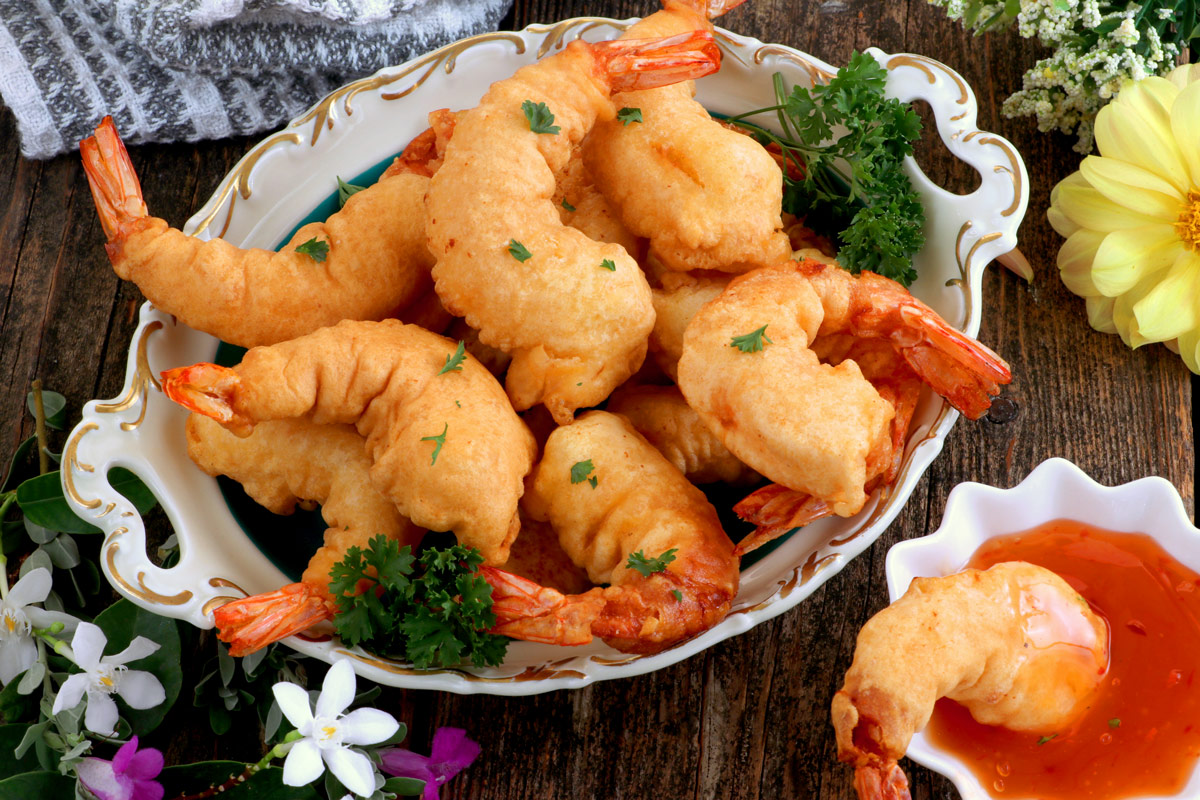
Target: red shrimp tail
x,y
254,622
634,64
881,782
711,9
775,510
115,187
534,613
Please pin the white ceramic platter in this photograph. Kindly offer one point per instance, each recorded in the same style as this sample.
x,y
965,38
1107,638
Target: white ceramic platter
x,y
1056,489
287,175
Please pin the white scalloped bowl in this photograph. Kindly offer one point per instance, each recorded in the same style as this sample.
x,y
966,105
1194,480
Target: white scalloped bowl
x,y
1055,489
282,179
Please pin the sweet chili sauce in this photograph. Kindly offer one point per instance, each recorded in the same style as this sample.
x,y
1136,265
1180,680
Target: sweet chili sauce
x,y
1141,733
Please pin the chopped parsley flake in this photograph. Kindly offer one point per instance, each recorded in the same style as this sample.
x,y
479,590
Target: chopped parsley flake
x,y
440,440
518,251
315,249
454,361
608,265
345,190
593,481
649,566
678,595
1045,739
567,205
1115,722
752,342
628,115
580,471
539,116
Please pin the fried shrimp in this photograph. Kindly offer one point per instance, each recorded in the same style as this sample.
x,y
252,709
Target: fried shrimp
x,y
750,371
574,313
663,417
445,444
279,464
1015,644
705,196
673,309
371,259
616,503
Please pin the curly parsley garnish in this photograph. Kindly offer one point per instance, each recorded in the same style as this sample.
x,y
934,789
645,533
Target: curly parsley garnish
x,y
539,116
751,342
567,205
649,566
853,187
608,264
455,360
315,249
628,115
439,440
434,608
519,251
580,471
345,190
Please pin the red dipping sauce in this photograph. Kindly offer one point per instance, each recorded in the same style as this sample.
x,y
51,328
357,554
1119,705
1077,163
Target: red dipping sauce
x,y
1141,734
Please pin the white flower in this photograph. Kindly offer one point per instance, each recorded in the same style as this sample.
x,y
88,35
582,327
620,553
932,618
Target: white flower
x,y
18,618
106,676
327,733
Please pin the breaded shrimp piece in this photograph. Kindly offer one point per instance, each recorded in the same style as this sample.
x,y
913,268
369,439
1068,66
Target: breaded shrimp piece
x,y
585,209
633,503
537,556
279,464
663,417
530,285
1015,644
673,310
377,261
705,196
446,448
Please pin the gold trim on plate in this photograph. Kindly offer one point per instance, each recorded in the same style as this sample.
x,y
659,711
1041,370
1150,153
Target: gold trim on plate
x,y
141,590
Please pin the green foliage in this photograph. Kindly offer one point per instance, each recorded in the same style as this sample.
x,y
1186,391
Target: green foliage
x,y
580,471
648,566
519,251
434,609
539,116
53,404
40,785
455,360
345,190
848,141
751,342
266,784
10,737
438,441
315,249
121,622
41,500
628,115
608,264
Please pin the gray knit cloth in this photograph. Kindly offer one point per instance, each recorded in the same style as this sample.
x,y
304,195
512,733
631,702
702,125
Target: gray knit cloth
x,y
170,70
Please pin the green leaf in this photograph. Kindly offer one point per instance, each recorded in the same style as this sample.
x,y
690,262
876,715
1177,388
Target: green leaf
x,y
519,251
678,595
267,784
12,535
405,787
121,622
63,551
539,116
42,785
53,404
315,249
440,440
455,360
648,566
345,190
751,342
10,737
1115,722
1045,739
219,720
567,205
16,707
18,458
580,471
608,265
38,534
628,115
41,499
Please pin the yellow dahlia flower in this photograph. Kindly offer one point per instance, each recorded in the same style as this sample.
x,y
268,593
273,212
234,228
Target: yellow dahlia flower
x,y
1131,217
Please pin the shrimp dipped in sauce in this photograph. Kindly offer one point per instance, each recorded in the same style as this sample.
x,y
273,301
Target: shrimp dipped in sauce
x,y
751,369
281,463
633,521
706,197
1014,644
365,262
446,446
573,312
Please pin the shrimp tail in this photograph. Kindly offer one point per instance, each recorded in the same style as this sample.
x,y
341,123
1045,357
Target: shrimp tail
x,y
881,782
254,622
113,181
775,510
207,389
635,64
709,8
532,612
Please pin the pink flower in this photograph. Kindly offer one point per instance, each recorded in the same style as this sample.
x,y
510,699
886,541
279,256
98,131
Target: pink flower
x,y
452,752
129,776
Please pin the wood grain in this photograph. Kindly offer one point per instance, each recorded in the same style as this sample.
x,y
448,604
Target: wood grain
x,y
748,718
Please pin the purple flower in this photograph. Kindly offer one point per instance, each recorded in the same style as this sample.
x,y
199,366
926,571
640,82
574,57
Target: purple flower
x,y
452,753
129,776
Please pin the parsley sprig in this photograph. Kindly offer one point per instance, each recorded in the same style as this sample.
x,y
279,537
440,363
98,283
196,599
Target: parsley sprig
x,y
314,248
455,360
541,120
853,186
627,115
648,566
751,342
434,609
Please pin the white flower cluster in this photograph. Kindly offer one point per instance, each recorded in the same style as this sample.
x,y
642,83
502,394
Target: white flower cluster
x,y
1098,46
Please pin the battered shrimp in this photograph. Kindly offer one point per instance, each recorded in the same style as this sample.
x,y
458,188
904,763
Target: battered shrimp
x,y
611,496
585,209
279,464
705,196
749,370
673,310
1015,644
377,261
446,448
663,417
543,292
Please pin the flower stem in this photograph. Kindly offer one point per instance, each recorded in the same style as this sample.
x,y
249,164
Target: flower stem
x,y
278,751
3,562
58,645
40,427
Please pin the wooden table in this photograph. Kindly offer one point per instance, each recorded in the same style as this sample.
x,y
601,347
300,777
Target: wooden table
x,y
749,717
